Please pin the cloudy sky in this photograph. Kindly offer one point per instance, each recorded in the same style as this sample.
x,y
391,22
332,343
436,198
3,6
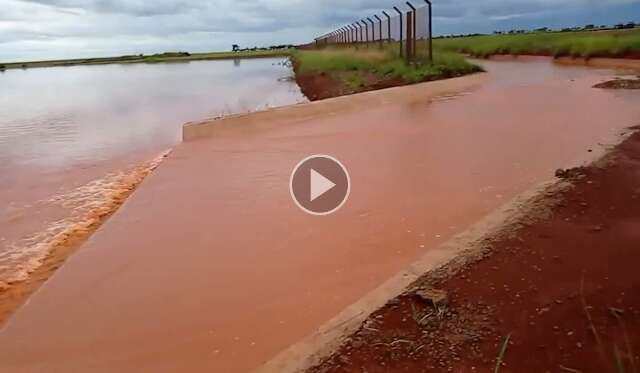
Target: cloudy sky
x,y
48,29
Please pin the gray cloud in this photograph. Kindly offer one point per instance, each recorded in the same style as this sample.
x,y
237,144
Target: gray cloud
x,y
132,7
65,28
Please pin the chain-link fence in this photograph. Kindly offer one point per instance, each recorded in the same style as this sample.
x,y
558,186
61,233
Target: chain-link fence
x,y
409,28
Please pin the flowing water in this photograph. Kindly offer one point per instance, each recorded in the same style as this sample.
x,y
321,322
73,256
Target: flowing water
x,y
74,139
211,267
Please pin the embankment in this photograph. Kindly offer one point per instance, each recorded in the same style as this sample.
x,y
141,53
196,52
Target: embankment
x,y
334,72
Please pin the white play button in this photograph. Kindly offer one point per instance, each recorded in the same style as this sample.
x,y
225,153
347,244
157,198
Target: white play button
x,y
319,185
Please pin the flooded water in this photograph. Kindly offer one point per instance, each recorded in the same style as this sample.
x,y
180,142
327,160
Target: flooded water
x,y
71,135
211,267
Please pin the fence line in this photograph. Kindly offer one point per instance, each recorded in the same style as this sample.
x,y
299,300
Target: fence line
x,y
405,28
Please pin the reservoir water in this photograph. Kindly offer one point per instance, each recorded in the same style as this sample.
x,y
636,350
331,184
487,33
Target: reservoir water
x,y
72,139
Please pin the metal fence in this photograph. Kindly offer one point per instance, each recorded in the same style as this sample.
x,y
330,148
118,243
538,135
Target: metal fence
x,y
402,26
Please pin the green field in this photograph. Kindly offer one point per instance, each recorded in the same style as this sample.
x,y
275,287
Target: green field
x,y
610,43
156,58
356,66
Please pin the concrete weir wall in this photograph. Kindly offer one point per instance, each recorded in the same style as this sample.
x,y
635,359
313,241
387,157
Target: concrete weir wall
x,y
418,93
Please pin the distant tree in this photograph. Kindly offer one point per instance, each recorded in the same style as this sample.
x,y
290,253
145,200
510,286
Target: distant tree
x,y
630,25
235,48
619,26
542,29
589,27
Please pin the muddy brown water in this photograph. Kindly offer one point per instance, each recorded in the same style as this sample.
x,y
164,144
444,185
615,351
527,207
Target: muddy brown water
x,y
210,266
69,135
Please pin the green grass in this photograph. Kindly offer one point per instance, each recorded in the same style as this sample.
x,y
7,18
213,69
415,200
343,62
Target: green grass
x,y
576,44
503,350
156,58
383,63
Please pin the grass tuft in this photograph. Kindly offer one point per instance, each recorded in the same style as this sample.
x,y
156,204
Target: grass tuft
x,y
503,350
383,64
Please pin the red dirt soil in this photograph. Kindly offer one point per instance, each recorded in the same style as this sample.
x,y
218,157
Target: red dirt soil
x,y
324,85
320,86
564,288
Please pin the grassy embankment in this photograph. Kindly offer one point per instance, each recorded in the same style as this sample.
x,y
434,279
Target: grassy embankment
x,y
617,44
343,70
156,58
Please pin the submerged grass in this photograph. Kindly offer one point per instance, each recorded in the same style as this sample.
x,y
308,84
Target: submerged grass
x,y
355,65
618,43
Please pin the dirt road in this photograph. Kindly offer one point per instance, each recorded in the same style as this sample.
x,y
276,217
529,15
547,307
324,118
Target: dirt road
x,y
210,266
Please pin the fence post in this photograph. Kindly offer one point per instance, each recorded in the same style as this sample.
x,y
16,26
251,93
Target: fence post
x,y
412,40
430,40
353,34
388,26
366,33
401,15
407,52
379,29
373,29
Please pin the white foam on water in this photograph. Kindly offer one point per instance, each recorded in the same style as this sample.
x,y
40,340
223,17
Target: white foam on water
x,y
88,205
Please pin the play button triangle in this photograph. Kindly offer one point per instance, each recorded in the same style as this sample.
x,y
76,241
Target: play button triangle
x,y
319,185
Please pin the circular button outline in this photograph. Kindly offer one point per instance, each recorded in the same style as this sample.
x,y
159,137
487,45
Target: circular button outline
x,y
344,199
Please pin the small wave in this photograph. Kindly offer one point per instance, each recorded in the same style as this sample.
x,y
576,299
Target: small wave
x,y
89,204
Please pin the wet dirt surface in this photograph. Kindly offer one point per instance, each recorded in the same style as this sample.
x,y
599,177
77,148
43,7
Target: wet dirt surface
x,y
562,289
620,84
211,266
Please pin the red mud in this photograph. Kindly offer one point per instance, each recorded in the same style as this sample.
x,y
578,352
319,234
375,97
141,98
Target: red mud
x,y
564,288
325,85
320,86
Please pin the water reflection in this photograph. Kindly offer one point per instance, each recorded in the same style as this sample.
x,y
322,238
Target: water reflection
x,y
57,116
70,129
